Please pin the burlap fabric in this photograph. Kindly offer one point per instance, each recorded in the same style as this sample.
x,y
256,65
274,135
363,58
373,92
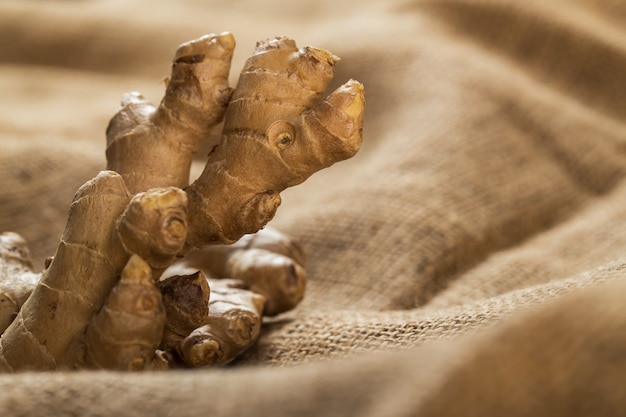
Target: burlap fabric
x,y
469,261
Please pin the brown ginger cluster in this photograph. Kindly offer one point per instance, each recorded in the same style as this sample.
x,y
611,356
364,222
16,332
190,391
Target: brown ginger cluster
x,y
103,300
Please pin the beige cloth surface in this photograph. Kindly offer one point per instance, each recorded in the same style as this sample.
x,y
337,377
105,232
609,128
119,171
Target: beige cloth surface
x,y
470,260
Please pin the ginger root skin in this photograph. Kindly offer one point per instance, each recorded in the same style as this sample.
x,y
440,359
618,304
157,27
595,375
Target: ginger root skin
x,y
277,119
278,278
134,220
154,226
153,147
127,330
48,331
269,263
186,300
17,278
87,265
232,326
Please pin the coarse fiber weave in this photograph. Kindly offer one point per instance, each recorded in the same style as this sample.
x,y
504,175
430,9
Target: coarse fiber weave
x,y
470,260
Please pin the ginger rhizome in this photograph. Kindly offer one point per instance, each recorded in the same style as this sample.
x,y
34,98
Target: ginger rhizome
x,y
209,322
17,278
102,300
154,146
48,331
268,263
278,131
186,300
232,325
128,328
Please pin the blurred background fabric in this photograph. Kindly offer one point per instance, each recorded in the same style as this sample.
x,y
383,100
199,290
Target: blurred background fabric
x,y
470,260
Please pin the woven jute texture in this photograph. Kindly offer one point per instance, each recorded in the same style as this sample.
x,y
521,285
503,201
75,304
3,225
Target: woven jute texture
x,y
470,260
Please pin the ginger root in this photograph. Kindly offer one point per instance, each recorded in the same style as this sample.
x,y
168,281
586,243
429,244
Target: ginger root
x,y
127,330
87,265
209,322
17,278
154,147
49,328
232,325
186,299
154,226
98,301
278,121
268,262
